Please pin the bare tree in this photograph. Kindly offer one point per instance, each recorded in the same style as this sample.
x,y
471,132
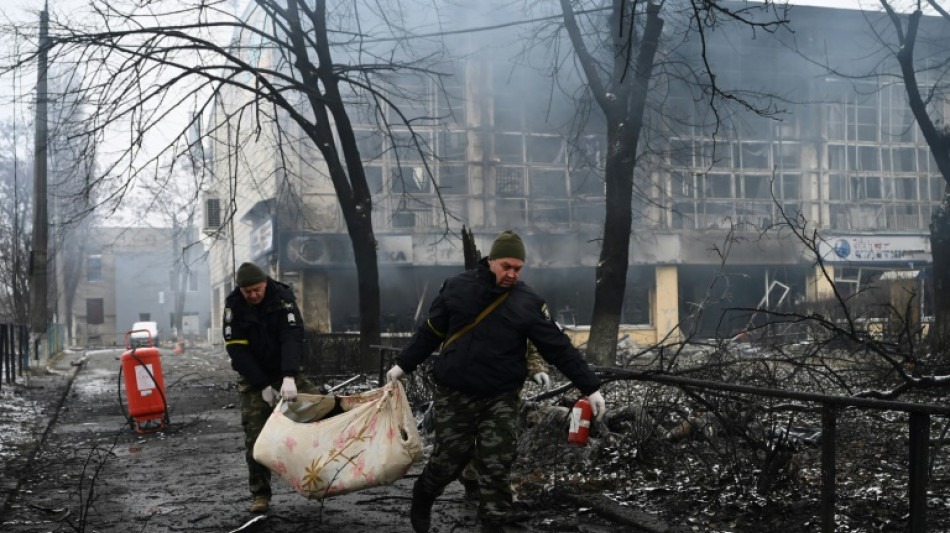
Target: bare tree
x,y
928,102
618,60
73,164
140,63
16,191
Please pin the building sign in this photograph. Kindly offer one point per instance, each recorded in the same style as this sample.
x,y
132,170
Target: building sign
x,y
394,249
875,249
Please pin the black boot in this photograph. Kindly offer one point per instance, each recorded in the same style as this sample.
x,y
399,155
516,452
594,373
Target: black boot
x,y
421,512
471,489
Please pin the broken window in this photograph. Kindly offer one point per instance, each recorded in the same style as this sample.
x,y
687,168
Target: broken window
x,y
546,149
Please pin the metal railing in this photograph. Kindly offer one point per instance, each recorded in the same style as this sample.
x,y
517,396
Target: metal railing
x,y
919,431
919,435
14,352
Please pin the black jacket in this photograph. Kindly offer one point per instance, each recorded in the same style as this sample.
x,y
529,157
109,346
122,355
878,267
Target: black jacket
x,y
490,359
265,341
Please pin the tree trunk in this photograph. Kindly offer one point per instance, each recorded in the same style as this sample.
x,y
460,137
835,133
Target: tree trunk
x,y
367,273
346,173
940,250
624,123
615,248
938,139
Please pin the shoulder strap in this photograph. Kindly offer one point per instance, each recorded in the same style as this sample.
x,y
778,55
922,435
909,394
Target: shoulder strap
x,y
491,307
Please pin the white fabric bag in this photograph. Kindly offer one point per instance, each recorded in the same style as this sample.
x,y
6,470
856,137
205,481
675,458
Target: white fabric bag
x,y
373,442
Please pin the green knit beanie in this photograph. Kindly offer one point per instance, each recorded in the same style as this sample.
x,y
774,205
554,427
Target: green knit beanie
x,y
249,274
507,244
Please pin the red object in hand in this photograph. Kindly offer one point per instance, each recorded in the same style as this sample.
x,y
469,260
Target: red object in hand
x,y
580,423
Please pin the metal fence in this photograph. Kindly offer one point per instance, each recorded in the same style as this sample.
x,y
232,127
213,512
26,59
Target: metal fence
x,y
919,428
14,352
330,356
918,448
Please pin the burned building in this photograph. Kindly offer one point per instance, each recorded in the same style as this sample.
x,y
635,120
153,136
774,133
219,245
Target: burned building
x,y
492,146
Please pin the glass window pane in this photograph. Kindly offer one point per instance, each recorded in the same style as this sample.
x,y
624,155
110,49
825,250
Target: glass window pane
x,y
719,186
905,160
836,157
374,179
868,158
905,188
453,179
508,148
755,155
756,186
454,145
370,144
94,268
790,155
548,183
545,150
790,186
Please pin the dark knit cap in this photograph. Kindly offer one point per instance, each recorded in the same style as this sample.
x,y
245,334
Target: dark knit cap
x,y
507,244
249,274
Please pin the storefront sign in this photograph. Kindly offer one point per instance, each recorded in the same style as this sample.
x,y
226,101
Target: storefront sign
x,y
875,249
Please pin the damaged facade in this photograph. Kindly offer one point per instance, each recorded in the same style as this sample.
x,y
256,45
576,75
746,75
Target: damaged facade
x,y
848,160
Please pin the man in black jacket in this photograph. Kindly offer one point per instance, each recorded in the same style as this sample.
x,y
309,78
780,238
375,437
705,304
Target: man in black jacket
x,y
479,374
263,334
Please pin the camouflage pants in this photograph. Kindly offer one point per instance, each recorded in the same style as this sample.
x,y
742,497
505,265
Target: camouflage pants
x,y
254,413
483,429
469,473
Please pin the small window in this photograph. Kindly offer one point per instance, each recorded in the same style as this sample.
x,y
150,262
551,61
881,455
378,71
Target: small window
x,y
94,268
95,312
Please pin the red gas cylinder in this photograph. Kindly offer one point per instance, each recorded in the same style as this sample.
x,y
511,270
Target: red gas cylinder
x,y
580,423
144,386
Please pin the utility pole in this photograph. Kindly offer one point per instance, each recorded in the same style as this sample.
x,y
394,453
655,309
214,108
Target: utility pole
x,y
38,256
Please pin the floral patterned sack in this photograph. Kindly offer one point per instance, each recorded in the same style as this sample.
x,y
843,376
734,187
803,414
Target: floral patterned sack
x,y
373,442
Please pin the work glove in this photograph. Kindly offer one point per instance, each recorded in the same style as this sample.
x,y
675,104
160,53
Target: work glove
x,y
269,395
288,389
597,404
543,379
394,373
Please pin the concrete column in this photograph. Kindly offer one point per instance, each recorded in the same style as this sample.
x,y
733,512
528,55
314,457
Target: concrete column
x,y
820,285
315,300
666,304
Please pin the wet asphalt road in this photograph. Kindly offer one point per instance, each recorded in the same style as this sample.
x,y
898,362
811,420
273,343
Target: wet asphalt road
x,y
92,472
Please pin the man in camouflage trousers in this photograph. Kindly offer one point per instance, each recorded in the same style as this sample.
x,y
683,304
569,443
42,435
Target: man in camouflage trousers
x,y
483,319
538,371
263,334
